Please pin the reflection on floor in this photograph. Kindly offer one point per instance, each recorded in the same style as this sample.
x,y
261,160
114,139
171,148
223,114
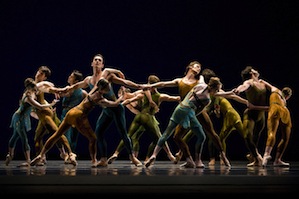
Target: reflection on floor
x,y
123,178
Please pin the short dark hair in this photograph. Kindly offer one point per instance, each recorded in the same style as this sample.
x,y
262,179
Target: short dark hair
x,y
46,70
214,82
102,83
287,91
78,75
207,74
100,55
153,79
29,83
246,73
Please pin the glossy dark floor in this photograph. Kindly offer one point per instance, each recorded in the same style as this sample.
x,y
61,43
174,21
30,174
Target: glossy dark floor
x,y
162,178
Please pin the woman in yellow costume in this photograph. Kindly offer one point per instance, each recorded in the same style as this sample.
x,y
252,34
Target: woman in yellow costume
x,y
231,122
279,117
78,117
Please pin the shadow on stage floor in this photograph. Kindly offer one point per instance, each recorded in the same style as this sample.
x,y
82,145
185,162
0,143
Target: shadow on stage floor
x,y
162,178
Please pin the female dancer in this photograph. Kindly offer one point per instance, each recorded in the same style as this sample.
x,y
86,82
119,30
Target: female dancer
x,y
21,122
279,117
145,120
78,117
184,114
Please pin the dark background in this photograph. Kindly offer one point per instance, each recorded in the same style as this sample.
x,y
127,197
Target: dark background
x,y
148,37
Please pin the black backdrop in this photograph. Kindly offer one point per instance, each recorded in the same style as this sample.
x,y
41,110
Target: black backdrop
x,y
148,37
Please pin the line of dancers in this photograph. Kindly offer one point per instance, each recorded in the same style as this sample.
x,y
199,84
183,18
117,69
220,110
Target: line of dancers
x,y
200,95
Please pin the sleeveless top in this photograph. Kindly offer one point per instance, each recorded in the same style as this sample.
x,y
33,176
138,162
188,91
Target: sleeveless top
x,y
185,88
257,96
21,118
43,112
146,108
74,99
110,95
198,104
278,109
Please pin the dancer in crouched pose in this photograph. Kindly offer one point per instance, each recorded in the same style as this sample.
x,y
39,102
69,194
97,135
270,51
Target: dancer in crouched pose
x,y
279,117
78,117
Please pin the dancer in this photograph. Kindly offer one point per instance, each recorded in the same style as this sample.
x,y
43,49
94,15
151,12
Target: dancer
x,y
109,114
185,84
231,122
185,114
135,105
48,120
279,117
146,120
21,122
254,121
231,118
70,100
78,117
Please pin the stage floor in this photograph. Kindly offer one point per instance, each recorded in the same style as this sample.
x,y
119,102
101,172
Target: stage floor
x,y
162,178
